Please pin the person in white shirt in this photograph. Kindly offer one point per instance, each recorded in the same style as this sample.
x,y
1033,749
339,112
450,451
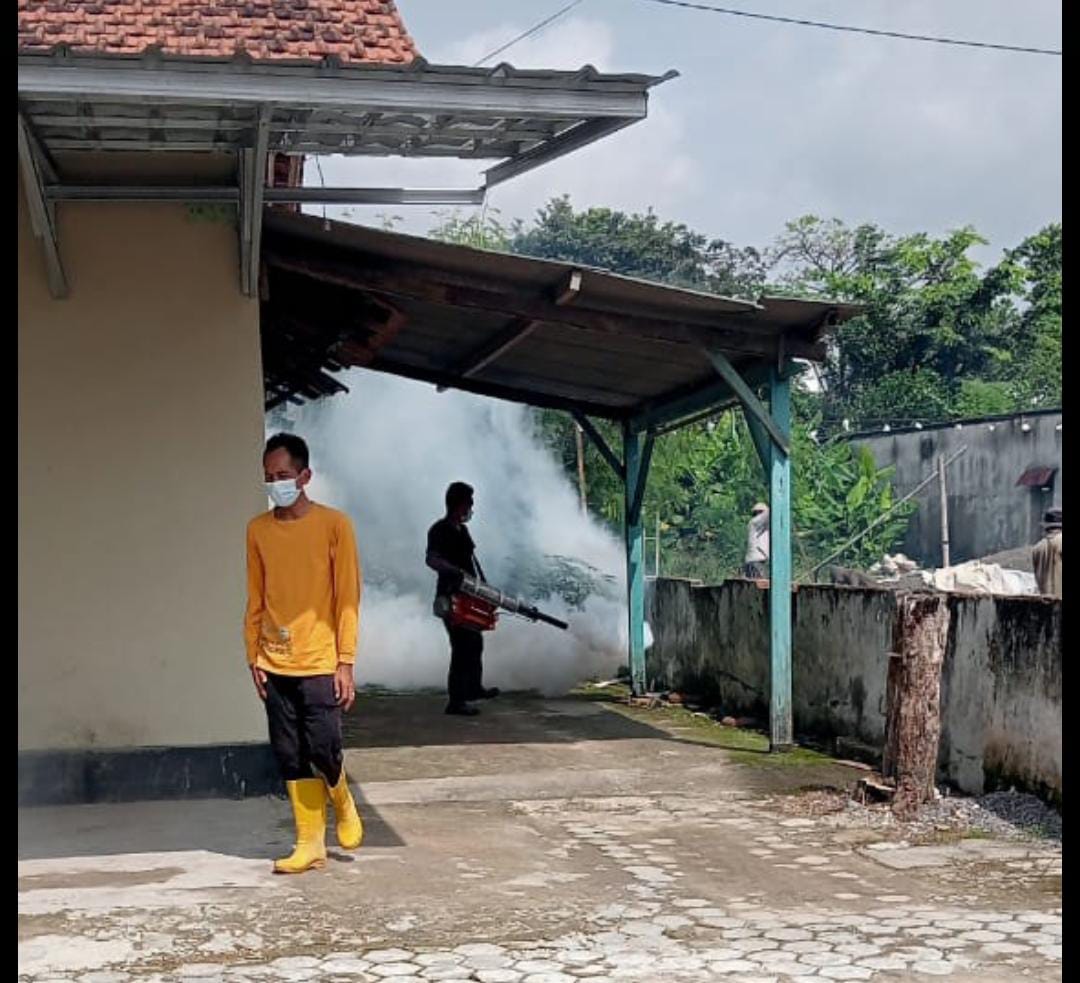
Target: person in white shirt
x,y
1046,556
756,565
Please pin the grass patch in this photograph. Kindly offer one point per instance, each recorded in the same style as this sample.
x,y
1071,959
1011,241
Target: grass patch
x,y
750,747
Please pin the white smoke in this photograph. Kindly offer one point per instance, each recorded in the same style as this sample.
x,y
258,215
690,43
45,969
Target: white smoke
x,y
384,453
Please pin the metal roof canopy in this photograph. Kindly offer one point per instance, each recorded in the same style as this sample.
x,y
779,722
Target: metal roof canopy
x,y
545,333
157,103
553,335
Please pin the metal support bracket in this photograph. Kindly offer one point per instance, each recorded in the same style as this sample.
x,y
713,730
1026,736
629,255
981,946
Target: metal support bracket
x,y
42,212
253,168
760,439
638,497
749,400
601,445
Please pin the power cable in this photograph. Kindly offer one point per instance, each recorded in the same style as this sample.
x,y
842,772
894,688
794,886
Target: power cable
x,y
851,29
530,32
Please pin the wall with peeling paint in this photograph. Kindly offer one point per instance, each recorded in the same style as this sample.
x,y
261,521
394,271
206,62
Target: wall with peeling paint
x,y
988,511
1001,680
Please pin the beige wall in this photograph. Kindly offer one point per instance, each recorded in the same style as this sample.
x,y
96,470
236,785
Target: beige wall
x,y
140,424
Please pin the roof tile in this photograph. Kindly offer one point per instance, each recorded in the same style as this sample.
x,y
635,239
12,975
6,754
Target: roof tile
x,y
353,30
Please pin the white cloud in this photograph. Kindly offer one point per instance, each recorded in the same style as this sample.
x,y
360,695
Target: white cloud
x,y
566,44
769,122
647,164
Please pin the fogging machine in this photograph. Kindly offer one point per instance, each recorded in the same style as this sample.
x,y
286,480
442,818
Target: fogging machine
x,y
474,605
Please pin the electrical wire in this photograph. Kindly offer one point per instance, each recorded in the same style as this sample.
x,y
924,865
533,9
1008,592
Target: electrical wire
x,y
530,32
851,29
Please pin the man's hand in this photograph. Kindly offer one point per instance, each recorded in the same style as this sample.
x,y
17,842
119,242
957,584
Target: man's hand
x,y
344,687
260,681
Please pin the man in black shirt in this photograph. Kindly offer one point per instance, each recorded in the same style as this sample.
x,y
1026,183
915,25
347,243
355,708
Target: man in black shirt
x,y
451,553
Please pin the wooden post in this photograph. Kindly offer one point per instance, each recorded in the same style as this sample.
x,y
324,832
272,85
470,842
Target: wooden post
x,y
579,439
944,512
913,698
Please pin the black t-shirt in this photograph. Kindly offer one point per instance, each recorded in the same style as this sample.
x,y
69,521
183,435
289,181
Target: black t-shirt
x,y
454,544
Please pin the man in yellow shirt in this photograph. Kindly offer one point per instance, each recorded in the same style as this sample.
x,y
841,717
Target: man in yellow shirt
x,y
300,629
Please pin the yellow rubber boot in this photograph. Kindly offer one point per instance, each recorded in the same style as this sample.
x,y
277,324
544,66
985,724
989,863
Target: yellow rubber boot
x,y
308,799
350,828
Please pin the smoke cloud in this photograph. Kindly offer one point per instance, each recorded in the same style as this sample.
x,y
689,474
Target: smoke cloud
x,y
384,453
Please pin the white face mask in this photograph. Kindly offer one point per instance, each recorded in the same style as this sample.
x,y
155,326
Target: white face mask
x,y
467,516
283,493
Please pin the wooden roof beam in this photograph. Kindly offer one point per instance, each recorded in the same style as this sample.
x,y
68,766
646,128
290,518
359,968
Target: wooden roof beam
x,y
442,287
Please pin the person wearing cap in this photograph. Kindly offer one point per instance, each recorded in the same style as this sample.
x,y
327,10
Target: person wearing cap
x,y
756,564
1046,555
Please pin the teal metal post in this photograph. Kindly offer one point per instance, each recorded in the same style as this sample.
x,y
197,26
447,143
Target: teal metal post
x,y
635,464
780,726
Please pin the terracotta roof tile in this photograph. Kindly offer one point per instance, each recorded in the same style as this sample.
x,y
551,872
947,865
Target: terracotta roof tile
x,y
351,30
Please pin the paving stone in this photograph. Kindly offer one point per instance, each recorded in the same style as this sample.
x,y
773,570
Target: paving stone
x,y
393,971
754,945
884,963
933,967
534,966
825,959
1004,949
859,950
845,973
490,962
726,966
439,973
480,949
983,936
789,935
437,958
346,966
388,956
801,947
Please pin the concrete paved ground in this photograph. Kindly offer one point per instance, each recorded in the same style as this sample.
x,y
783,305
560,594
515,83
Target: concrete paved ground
x,y
547,841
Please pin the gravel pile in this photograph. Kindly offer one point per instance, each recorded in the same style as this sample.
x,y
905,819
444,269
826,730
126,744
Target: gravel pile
x,y
1005,815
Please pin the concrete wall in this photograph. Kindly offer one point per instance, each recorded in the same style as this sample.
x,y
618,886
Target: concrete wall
x,y
1001,683
140,425
987,511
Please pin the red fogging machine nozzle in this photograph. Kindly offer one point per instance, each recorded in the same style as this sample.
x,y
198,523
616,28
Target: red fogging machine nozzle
x,y
475,603
471,612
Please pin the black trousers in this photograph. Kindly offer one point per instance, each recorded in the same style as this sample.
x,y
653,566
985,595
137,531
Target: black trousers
x,y
305,726
466,665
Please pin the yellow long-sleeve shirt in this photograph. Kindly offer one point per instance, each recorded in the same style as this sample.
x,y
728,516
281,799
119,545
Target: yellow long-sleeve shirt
x,y
303,593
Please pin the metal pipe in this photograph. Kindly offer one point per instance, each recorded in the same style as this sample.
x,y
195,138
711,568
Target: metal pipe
x,y
884,515
944,512
294,196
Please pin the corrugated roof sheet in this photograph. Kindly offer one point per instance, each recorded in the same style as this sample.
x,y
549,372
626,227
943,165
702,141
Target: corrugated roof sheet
x,y
534,331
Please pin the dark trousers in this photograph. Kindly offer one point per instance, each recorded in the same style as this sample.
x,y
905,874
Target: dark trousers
x,y
466,666
305,726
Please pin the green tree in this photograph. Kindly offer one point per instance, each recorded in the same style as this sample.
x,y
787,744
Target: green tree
x,y
705,478
481,230
940,338
1035,269
930,317
641,245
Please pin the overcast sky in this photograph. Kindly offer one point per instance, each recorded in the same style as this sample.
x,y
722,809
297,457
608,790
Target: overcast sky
x,y
769,121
